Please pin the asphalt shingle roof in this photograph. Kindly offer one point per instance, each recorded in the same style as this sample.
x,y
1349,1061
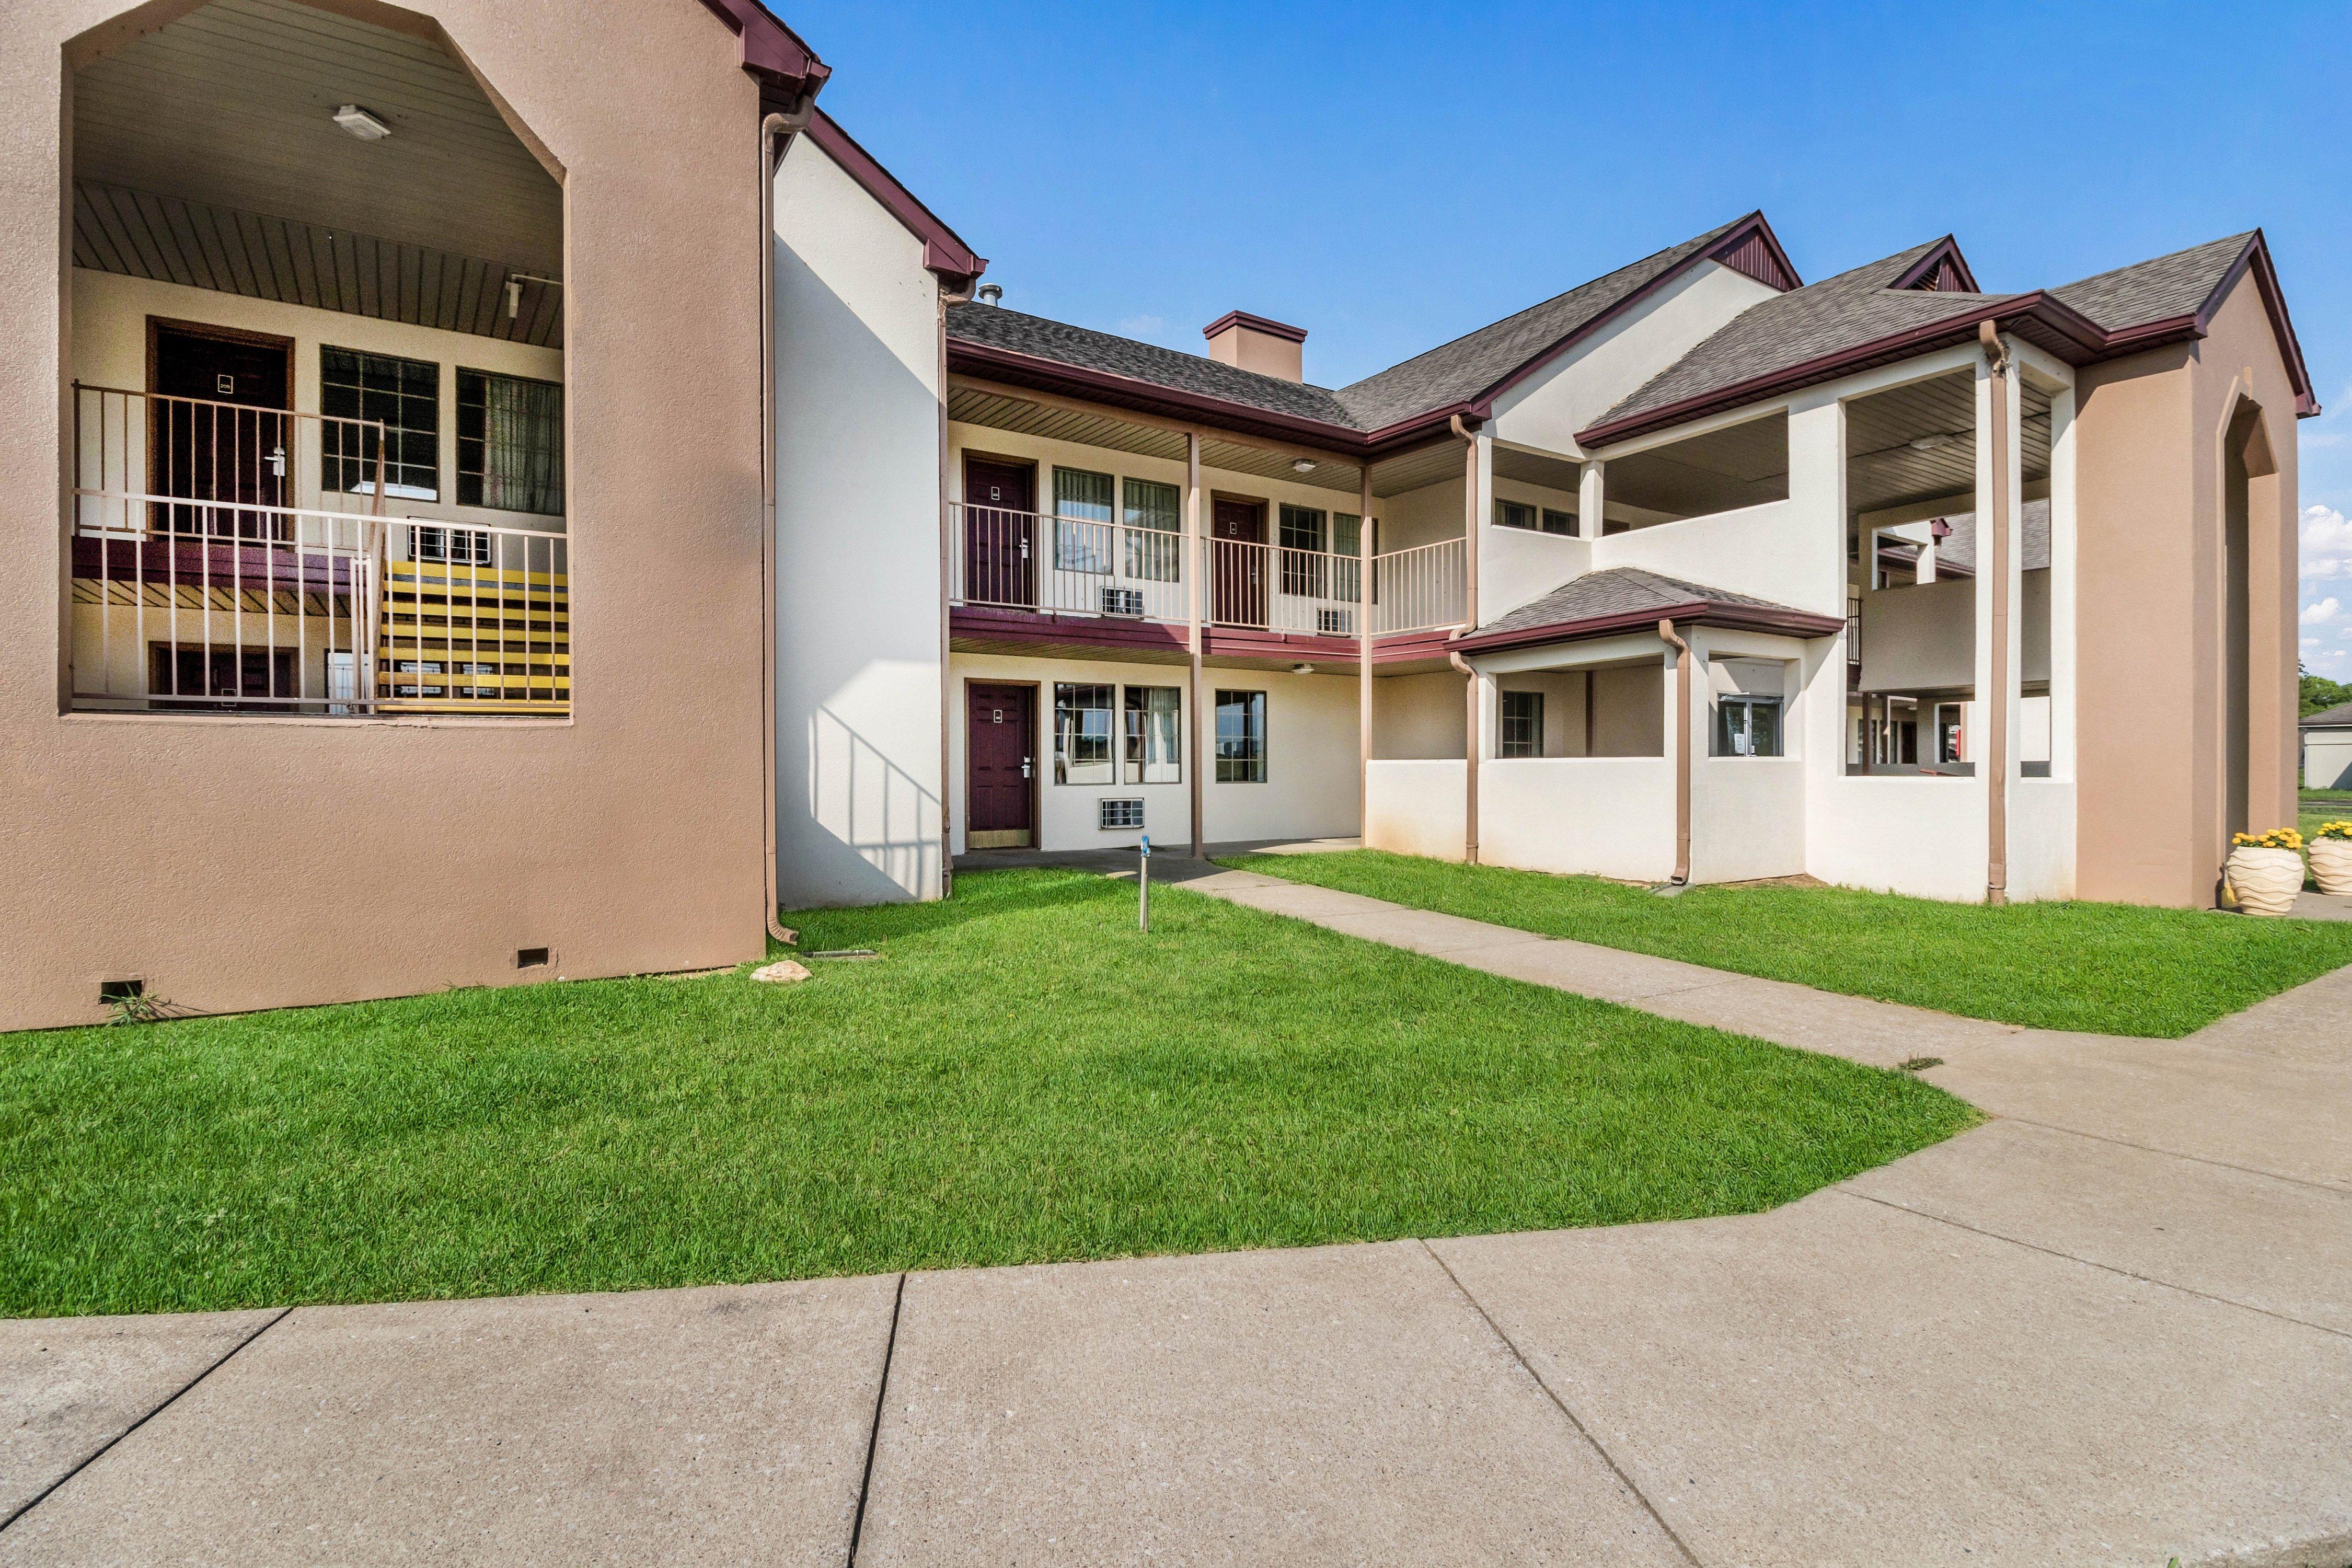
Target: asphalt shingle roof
x,y
2169,286
2329,718
2032,527
1460,371
1619,590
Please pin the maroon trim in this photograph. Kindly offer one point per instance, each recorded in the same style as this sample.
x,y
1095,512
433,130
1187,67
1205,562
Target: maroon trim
x,y
1272,329
1018,369
944,253
1112,636
1942,270
1753,250
1080,631
788,70
212,561
2041,318
1694,613
1249,642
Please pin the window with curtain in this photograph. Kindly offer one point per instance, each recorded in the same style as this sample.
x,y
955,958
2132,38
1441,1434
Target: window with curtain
x,y
1082,507
1301,534
1241,737
1514,514
404,396
1558,521
1154,755
1081,735
1154,516
509,443
1347,539
1522,723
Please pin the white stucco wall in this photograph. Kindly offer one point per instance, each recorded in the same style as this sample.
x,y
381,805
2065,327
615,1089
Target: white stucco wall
x,y
2327,759
1770,551
857,521
1419,716
1310,746
1415,807
1602,816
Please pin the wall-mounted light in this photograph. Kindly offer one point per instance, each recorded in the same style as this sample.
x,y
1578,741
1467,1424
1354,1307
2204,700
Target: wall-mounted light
x,y
361,124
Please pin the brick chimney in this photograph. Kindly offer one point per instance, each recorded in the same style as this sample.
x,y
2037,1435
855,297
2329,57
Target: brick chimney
x,y
1253,342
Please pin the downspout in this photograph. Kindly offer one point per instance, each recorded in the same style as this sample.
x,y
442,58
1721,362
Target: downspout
x,y
1682,753
1364,657
947,576
1996,707
776,132
1469,624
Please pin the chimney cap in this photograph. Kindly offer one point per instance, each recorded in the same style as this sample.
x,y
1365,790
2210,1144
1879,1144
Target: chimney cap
x,y
1232,319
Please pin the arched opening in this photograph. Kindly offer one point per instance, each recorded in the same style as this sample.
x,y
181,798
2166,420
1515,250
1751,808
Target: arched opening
x,y
318,447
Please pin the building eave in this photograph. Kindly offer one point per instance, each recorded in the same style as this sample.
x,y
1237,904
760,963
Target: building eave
x,y
1801,623
945,255
1112,390
789,72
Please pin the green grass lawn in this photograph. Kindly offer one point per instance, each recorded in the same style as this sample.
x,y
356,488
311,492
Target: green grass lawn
x,y
1018,1076
2113,969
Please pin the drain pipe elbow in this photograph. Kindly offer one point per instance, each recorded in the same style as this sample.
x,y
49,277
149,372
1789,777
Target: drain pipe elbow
x,y
1682,751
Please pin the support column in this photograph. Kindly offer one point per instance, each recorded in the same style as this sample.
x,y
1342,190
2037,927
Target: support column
x,y
1197,558
1470,521
1364,658
1994,703
1589,500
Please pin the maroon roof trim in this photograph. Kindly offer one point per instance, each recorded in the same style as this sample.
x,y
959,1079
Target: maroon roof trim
x,y
944,253
1751,239
1255,323
1942,256
2060,329
788,70
1102,386
1112,635
1692,612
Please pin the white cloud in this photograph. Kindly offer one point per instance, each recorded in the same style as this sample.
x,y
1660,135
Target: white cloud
x,y
2322,612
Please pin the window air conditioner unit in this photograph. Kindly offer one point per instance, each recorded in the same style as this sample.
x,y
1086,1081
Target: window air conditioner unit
x,y
1122,600
1336,623
1120,815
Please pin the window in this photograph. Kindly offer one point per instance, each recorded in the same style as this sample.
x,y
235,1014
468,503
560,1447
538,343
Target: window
x,y
1514,514
1241,737
1302,537
1747,726
509,443
1558,521
1523,723
1154,755
1155,549
1951,732
1081,735
1082,504
1346,546
404,396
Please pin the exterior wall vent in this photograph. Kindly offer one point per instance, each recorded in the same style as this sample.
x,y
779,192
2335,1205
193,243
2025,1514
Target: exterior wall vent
x,y
1118,816
1122,600
531,958
1333,623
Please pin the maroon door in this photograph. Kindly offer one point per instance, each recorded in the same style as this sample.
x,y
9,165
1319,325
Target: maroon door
x,y
1237,528
212,435
999,564
1001,739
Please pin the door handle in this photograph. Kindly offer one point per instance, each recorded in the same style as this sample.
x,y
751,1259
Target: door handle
x,y
1025,767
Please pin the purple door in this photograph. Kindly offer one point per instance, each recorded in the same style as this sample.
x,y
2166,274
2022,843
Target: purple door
x,y
1001,738
999,555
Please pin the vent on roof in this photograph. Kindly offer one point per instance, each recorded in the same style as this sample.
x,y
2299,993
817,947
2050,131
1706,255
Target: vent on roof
x,y
1941,278
990,293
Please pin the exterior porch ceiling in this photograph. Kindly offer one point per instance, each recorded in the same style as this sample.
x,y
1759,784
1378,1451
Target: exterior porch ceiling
x,y
1883,469
1053,421
1537,469
229,107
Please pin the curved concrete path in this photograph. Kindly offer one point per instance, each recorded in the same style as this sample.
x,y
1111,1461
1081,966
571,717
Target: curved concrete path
x,y
2113,1326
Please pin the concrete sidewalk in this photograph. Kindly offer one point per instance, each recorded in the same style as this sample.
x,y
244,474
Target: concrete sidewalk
x,y
2113,1326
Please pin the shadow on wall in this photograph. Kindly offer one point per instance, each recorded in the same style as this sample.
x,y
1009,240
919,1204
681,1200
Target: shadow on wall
x,y
880,824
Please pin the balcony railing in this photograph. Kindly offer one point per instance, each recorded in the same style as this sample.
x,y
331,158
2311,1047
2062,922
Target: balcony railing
x,y
1056,565
203,582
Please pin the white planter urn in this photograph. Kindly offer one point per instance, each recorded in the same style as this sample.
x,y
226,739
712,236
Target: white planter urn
x,y
2265,880
2331,862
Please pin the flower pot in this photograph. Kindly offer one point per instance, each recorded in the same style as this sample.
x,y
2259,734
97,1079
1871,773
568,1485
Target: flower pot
x,y
2265,880
2331,862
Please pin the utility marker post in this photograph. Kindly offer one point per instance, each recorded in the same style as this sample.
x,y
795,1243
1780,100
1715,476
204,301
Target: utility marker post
x,y
1143,885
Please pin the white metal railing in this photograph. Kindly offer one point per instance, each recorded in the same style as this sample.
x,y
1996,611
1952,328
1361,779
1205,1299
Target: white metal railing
x,y
1006,559
200,583
1061,565
1419,589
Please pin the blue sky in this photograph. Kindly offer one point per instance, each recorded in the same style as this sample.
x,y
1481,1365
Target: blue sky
x,y
1391,177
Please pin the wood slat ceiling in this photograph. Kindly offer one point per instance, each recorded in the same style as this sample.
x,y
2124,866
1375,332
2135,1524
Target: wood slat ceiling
x,y
997,412
1883,469
140,234
229,107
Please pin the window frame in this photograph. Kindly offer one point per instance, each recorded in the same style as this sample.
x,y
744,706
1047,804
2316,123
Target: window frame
x,y
1065,759
482,443
1074,532
1508,747
363,464
1547,515
1250,767
1150,552
1504,508
1751,702
1136,735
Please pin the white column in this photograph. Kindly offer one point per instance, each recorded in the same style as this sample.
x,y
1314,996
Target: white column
x,y
2062,584
1589,500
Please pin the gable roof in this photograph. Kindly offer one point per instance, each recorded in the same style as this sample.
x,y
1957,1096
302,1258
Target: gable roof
x,y
1897,306
1476,367
1628,598
1462,376
788,71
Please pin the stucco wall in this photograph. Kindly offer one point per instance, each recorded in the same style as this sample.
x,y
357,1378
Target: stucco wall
x,y
1309,790
2149,432
1602,816
1419,716
236,863
858,816
2327,759
1415,807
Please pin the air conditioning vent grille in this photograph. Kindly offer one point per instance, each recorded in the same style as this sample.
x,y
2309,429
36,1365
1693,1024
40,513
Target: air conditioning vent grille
x,y
1122,816
1122,600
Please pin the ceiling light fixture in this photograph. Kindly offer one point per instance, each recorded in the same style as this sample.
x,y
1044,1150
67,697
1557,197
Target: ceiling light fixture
x,y
1302,670
1302,465
1934,442
361,124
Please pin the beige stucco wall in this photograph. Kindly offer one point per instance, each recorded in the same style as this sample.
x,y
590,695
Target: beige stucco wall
x,y
236,863
2150,511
